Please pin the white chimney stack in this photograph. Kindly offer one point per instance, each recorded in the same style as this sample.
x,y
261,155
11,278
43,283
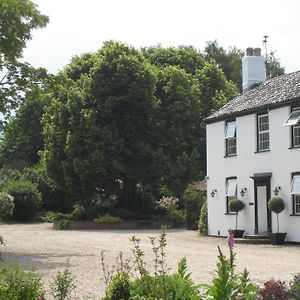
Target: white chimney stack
x,y
254,68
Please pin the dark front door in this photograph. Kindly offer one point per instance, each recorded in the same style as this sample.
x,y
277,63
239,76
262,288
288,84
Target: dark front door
x,y
262,195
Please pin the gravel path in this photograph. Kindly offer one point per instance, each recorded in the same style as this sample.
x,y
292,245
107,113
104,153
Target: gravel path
x,y
39,247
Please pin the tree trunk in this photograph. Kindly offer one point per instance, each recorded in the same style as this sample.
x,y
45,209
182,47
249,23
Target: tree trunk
x,y
129,194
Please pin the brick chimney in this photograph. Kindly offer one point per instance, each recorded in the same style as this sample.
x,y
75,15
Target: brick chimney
x,y
254,68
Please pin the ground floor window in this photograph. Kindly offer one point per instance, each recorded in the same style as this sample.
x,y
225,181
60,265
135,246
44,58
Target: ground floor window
x,y
297,204
295,191
231,191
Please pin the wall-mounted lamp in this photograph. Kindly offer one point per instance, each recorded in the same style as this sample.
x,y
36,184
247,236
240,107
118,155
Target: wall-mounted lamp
x,y
213,192
276,191
243,191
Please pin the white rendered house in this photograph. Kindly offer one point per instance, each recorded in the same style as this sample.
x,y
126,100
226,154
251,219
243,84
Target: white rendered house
x,y
253,153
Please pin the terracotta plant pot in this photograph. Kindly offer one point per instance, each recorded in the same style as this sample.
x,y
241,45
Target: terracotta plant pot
x,y
278,238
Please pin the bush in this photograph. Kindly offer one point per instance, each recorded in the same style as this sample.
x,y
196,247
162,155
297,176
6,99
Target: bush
x,y
107,219
276,205
193,199
203,222
160,285
236,205
53,198
176,286
295,287
63,284
15,284
6,205
27,199
227,284
119,287
63,224
275,289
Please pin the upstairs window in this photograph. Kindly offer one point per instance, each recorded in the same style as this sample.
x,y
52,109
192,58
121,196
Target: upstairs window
x,y
230,138
295,191
294,122
231,191
263,134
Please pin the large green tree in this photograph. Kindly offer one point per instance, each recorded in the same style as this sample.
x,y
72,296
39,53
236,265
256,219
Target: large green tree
x,y
184,57
22,137
103,131
17,20
119,122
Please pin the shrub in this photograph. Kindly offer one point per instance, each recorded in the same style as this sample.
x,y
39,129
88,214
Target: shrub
x,y
107,219
53,198
15,284
79,212
176,286
63,284
119,287
27,199
275,289
295,287
63,224
228,285
276,205
160,285
6,205
203,222
193,199
236,206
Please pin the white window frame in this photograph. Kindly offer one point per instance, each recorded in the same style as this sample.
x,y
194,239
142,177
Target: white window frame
x,y
230,130
261,133
293,118
295,185
233,191
296,200
230,138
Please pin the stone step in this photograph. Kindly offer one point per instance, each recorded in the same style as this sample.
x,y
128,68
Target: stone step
x,y
256,236
253,241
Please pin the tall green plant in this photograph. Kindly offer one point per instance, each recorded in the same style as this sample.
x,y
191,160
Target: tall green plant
x,y
203,221
63,284
15,284
276,205
236,206
228,285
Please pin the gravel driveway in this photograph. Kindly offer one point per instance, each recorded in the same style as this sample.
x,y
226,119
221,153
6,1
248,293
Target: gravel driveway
x,y
39,247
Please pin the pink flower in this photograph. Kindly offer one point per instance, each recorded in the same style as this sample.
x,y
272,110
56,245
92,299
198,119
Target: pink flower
x,y
40,298
230,241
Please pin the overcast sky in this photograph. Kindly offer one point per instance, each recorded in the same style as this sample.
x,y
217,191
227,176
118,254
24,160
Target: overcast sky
x,y
78,26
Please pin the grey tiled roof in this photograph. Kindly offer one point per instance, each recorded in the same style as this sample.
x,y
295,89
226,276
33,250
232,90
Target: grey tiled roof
x,y
270,93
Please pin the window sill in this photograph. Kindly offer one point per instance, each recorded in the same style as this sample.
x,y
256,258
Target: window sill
x,y
294,147
230,214
233,155
262,151
295,215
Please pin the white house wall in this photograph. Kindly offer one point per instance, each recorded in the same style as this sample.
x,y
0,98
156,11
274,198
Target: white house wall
x,y
280,161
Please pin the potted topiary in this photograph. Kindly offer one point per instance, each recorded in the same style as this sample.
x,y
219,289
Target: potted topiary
x,y
276,205
236,205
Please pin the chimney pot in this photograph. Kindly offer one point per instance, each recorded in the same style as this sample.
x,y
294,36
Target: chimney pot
x,y
254,68
249,51
256,52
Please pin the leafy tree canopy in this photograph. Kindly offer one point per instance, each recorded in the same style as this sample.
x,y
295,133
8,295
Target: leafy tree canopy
x,y
121,124
17,20
22,136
